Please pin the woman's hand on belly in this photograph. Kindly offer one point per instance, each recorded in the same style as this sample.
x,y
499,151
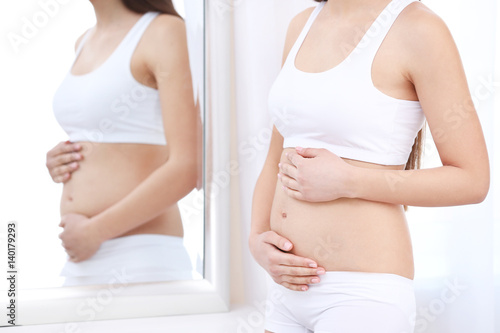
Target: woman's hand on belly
x,y
79,238
62,161
315,175
293,272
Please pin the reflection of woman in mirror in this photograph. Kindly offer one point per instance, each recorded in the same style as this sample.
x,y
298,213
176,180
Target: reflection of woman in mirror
x,y
332,232
127,106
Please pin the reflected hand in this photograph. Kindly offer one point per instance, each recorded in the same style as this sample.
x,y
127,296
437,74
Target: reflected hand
x,y
62,161
293,272
80,238
315,175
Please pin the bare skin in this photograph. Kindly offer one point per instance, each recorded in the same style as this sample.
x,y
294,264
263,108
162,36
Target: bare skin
x,y
345,215
113,189
107,173
325,231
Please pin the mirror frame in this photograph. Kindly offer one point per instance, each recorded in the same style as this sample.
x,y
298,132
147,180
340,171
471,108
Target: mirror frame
x,y
71,304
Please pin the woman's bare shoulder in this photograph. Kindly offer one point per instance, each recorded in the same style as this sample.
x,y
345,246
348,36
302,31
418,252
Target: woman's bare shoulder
x,y
165,38
422,26
80,39
295,28
163,47
298,22
166,26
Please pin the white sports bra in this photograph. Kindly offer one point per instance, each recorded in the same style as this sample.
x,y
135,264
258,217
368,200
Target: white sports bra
x,y
340,109
108,104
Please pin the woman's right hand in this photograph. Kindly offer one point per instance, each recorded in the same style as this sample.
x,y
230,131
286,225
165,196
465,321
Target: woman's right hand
x,y
270,250
62,161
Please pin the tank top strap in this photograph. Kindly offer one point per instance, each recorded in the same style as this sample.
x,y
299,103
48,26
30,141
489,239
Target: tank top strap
x,y
133,37
79,48
374,37
305,31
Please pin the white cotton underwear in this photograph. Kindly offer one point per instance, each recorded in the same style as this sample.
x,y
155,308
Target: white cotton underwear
x,y
140,258
344,302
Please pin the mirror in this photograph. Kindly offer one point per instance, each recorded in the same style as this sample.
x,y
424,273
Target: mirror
x,y
39,54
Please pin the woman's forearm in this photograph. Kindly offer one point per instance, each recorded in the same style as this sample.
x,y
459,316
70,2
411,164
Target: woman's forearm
x,y
441,186
163,188
263,199
265,187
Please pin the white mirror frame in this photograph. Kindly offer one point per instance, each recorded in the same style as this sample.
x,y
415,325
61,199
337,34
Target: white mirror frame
x,y
117,300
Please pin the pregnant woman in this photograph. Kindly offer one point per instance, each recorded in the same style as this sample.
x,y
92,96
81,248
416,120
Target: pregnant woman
x,y
328,224
127,105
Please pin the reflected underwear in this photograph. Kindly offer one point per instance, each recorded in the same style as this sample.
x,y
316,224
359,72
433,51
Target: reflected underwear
x,y
132,259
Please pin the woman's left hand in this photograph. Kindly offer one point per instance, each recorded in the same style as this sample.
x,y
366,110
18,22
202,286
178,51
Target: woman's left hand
x,y
79,238
315,175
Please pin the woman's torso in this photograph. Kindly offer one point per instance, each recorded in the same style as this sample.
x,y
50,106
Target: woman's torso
x,y
111,71
109,172
346,234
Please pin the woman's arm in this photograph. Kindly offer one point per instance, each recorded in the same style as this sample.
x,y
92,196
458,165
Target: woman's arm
x,y
264,188
167,59
435,69
169,62
438,75
267,247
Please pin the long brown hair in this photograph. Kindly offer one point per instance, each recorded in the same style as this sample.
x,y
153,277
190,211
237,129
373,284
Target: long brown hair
x,y
415,158
144,6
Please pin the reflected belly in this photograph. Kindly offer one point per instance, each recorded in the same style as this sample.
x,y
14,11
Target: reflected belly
x,y
107,173
345,234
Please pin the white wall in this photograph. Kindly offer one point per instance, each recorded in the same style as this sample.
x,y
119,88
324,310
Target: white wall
x,y
31,73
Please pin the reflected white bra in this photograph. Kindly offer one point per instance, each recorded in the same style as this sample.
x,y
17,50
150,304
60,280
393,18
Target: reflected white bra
x,y
108,104
340,109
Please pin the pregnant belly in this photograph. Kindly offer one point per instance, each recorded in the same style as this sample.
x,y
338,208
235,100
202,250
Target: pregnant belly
x,y
107,173
346,234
